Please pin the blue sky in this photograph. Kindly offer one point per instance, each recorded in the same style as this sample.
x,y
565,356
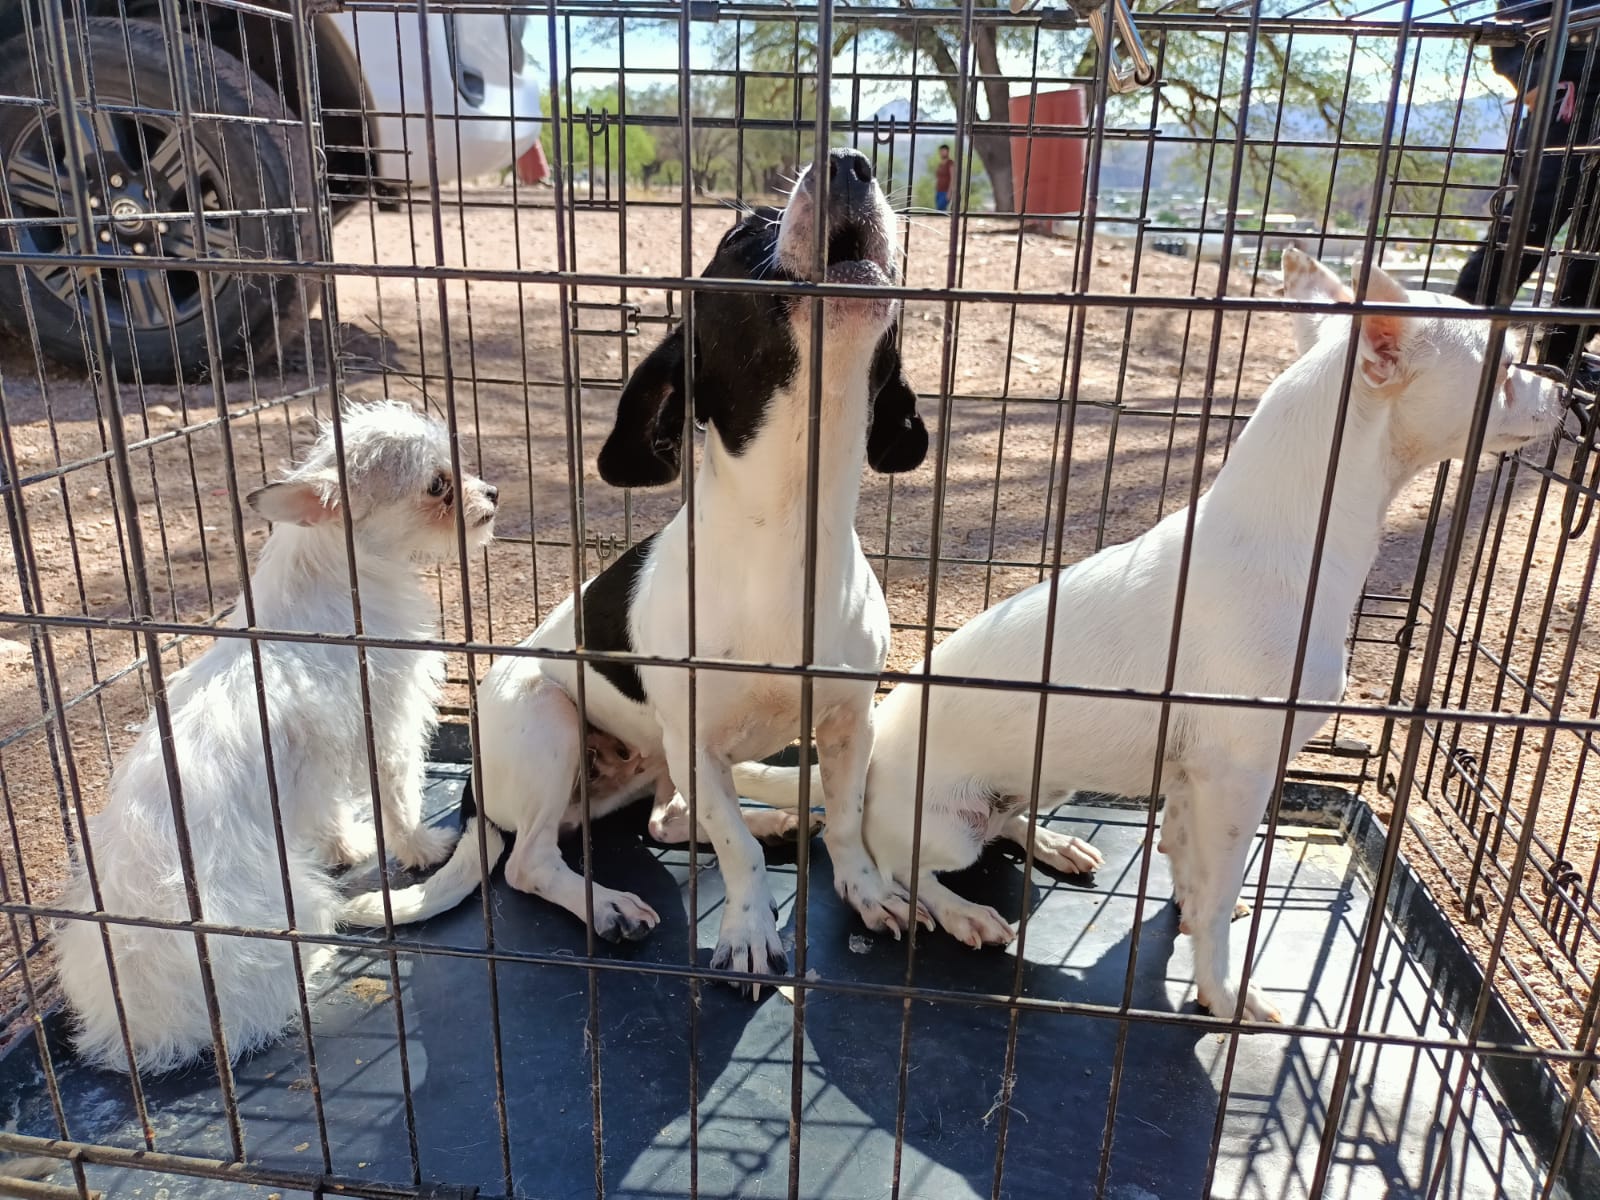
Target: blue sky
x,y
652,50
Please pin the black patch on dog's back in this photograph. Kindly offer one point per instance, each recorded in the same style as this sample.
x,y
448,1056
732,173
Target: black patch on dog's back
x,y
606,603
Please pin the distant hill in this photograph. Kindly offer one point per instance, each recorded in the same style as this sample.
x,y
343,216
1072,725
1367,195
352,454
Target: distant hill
x,y
1178,160
901,158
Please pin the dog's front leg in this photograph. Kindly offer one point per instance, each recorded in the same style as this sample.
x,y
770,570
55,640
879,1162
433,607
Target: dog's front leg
x,y
400,776
748,940
1173,841
345,840
844,749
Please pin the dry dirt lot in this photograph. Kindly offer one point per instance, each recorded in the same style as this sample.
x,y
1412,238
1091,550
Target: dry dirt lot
x,y
1130,444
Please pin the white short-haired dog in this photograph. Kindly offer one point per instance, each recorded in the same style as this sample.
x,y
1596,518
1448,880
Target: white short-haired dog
x,y
402,499
752,388
1412,404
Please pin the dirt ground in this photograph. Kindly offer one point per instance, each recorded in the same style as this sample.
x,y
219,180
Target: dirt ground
x,y
1130,445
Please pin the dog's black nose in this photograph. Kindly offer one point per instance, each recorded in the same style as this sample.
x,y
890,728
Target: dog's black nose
x,y
493,493
848,165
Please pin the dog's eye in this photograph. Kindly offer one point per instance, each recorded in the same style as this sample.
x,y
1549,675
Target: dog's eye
x,y
440,485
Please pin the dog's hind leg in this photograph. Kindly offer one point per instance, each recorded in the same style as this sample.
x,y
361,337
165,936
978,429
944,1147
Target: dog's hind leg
x,y
1058,851
1220,816
669,821
844,747
774,828
538,759
1174,837
1173,842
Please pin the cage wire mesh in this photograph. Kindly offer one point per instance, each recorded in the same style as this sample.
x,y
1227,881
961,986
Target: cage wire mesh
x,y
221,215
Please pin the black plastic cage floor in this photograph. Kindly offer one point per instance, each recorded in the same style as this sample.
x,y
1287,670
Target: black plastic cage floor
x,y
1391,1134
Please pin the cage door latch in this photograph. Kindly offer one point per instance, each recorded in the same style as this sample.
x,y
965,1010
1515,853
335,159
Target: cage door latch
x,y
1128,66
1131,70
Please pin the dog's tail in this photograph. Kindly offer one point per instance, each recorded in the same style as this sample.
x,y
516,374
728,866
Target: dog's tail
x,y
30,1169
441,891
778,787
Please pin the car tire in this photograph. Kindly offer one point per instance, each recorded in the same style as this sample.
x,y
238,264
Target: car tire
x,y
254,170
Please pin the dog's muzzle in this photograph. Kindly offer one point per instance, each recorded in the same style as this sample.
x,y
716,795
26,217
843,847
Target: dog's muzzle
x,y
851,186
1578,394
860,246
858,243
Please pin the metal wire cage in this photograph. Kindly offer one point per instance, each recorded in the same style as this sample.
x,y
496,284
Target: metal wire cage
x,y
220,214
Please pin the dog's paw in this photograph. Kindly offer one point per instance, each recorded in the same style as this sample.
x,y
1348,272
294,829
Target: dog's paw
x,y
1256,1006
354,844
1065,853
898,904
622,916
773,828
422,847
669,823
882,905
749,942
977,926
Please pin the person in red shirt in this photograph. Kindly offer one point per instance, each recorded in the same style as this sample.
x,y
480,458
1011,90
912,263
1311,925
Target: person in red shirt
x,y
944,177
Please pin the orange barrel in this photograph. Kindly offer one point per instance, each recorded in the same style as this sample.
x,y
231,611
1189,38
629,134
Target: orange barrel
x,y
532,167
1051,163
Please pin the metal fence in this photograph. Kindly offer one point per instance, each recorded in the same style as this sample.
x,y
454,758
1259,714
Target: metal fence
x,y
218,215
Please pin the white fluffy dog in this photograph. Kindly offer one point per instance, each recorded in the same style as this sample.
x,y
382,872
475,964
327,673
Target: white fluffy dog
x,y
402,498
1412,404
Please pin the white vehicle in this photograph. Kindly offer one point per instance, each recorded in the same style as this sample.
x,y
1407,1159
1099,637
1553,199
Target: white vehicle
x,y
485,93
252,174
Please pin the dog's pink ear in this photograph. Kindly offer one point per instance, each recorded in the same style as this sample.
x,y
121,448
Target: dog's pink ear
x,y
308,500
1381,334
1304,278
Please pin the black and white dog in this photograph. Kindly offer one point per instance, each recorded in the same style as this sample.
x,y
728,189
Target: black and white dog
x,y
752,386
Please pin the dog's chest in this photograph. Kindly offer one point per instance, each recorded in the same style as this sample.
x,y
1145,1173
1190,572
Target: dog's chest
x,y
840,638
750,599
401,693
743,716
755,724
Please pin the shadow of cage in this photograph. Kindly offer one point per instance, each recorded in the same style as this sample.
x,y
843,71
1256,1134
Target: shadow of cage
x,y
244,245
